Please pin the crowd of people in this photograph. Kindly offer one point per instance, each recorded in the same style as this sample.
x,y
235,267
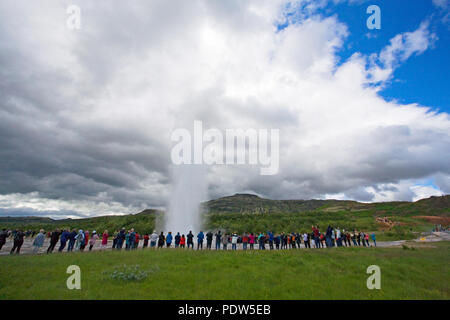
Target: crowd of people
x,y
129,240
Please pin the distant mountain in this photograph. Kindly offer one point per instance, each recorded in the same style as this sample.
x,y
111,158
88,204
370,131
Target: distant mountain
x,y
25,219
249,203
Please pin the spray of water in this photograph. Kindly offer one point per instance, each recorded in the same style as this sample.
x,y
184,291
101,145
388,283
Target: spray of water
x,y
190,188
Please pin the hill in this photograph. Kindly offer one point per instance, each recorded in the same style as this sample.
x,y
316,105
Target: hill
x,y
249,203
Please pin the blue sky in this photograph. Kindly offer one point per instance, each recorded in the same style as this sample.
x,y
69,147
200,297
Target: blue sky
x,y
422,78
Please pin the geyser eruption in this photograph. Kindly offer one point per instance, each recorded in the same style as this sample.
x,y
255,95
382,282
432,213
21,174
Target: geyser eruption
x,y
190,188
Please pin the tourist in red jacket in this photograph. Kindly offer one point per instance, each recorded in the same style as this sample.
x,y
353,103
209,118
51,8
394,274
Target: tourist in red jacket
x,y
182,241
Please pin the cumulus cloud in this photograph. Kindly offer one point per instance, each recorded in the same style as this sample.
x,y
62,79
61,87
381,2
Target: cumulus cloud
x,y
86,116
400,48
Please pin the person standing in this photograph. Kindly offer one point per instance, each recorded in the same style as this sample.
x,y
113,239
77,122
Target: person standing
x,y
127,240
328,236
293,242
169,239
306,240
261,240
146,238
338,237
53,240
190,240
63,240
182,241
366,236
38,241
114,242
251,240
347,236
315,231
218,239
244,241
284,241
374,238
3,236
105,236
72,238
177,240
200,238
137,238
277,241
353,237
224,241
18,242
80,240
85,240
120,239
131,239
209,238
153,239
234,239
270,234
298,238
161,240
93,240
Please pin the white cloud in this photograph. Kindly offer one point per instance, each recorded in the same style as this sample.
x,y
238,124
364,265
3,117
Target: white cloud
x,y
54,208
93,110
400,48
422,192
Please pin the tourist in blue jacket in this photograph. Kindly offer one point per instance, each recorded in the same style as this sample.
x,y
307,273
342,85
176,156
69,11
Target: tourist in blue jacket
x,y
374,238
63,239
177,240
200,238
328,236
120,239
72,239
132,238
271,238
169,239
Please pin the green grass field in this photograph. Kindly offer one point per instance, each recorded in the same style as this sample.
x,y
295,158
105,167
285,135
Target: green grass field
x,y
338,273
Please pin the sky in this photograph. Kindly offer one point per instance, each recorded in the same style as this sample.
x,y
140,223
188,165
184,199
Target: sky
x,y
86,115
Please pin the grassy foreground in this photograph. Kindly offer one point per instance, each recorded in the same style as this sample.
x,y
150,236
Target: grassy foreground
x,y
340,273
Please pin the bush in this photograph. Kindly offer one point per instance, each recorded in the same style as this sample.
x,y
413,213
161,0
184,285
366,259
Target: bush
x,y
129,273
